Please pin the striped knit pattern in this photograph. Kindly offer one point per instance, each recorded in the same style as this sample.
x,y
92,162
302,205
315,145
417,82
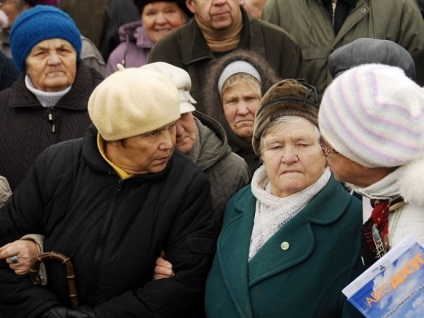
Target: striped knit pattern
x,y
374,115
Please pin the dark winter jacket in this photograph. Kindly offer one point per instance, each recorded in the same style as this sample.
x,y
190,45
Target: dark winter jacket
x,y
27,128
227,172
419,65
186,48
117,13
113,230
8,72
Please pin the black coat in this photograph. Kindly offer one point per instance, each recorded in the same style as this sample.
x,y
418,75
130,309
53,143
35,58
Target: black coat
x,y
8,71
113,230
26,130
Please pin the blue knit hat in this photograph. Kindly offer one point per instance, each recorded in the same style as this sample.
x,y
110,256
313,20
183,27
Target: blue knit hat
x,y
38,24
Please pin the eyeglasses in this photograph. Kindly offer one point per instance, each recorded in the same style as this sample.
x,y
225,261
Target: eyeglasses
x,y
4,2
326,148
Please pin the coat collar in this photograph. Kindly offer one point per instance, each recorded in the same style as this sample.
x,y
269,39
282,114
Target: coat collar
x,y
92,156
86,80
274,257
198,50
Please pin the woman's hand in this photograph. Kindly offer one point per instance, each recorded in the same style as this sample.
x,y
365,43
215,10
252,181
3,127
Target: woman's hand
x,y
20,255
163,268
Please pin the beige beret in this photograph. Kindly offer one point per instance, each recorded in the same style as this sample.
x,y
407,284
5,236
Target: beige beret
x,y
132,102
180,78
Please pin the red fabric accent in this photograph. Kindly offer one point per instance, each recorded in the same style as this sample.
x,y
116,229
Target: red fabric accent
x,y
380,216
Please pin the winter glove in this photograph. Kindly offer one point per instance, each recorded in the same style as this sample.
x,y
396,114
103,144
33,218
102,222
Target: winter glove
x,y
64,312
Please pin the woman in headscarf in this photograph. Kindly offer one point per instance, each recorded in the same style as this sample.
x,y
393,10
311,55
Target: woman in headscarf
x,y
232,93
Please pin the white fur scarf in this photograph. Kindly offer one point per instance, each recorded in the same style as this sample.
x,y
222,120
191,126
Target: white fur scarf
x,y
411,182
407,181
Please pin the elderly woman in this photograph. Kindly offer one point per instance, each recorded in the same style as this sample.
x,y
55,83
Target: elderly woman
x,y
90,55
111,201
48,103
289,241
232,94
198,136
158,18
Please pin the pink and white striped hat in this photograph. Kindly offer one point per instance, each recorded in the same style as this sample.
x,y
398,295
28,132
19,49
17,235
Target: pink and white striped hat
x,y
373,114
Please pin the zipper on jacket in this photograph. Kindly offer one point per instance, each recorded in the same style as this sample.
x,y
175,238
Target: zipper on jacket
x,y
51,118
98,256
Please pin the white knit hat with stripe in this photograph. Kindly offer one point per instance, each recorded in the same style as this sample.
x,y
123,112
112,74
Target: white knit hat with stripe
x,y
373,114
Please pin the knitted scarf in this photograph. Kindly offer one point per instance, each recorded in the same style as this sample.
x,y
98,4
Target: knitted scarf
x,y
273,212
375,232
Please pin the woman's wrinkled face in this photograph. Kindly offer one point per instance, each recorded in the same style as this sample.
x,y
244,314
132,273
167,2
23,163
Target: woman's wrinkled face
x,y
348,171
52,65
160,18
186,133
146,153
218,15
240,103
292,156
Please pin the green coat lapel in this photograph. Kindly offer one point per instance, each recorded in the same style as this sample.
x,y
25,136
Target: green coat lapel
x,y
297,235
233,252
291,245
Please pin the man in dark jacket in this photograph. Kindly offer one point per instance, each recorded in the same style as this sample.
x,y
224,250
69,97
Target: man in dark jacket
x,y
111,202
218,28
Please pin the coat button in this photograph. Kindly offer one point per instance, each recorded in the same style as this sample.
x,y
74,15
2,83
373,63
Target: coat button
x,y
285,246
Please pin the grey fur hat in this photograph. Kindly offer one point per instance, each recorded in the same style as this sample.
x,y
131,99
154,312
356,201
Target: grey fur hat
x,y
370,51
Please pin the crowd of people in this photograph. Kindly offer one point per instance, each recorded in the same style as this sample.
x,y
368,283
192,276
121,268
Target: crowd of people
x,y
191,158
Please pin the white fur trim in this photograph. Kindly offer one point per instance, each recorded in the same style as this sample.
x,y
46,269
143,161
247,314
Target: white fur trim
x,y
411,182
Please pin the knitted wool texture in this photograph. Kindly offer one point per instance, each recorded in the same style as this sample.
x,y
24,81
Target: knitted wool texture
x,y
38,24
373,114
131,102
286,98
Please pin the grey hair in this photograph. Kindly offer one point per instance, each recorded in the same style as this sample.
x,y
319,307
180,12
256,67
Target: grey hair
x,y
282,122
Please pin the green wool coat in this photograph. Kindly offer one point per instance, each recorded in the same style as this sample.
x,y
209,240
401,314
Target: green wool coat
x,y
299,272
